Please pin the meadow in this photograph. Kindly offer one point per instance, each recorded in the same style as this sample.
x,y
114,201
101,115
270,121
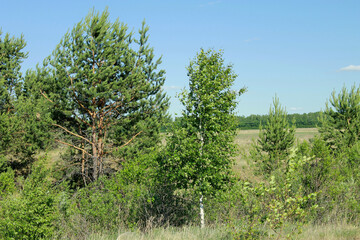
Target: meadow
x,y
244,140
340,231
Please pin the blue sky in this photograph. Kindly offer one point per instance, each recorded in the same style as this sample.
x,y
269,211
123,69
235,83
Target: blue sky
x,y
299,50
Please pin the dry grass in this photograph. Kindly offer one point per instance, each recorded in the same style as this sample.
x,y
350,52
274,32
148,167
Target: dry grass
x,y
188,233
245,138
339,231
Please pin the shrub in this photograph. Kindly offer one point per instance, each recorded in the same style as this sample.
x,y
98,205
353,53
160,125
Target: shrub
x,y
7,175
31,214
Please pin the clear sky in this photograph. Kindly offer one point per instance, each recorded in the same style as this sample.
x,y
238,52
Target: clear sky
x,y
299,50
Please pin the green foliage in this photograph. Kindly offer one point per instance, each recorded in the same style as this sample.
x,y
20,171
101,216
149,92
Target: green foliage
x,y
339,154
305,120
22,128
11,57
200,147
31,214
127,199
341,119
100,93
287,201
240,208
275,141
105,89
265,209
18,141
7,183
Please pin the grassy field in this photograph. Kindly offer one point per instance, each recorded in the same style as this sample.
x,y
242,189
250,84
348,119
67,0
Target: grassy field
x,y
340,231
245,138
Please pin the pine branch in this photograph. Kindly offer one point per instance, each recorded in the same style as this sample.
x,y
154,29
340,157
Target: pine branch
x,y
130,140
46,96
71,145
73,133
82,120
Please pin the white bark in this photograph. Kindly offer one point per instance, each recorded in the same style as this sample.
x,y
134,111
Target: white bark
x,y
202,214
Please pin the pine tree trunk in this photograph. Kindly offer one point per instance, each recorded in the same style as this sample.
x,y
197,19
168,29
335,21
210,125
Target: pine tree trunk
x,y
83,163
94,155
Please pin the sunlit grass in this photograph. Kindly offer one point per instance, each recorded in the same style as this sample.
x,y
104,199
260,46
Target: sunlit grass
x,y
188,233
336,231
245,138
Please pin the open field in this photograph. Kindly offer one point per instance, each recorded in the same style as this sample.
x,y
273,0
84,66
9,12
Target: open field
x,y
245,138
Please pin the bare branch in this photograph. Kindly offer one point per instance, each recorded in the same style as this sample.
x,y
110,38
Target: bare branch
x,y
46,96
73,133
71,145
130,140
82,120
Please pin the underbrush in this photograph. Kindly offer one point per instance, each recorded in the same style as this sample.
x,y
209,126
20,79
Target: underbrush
x,y
314,196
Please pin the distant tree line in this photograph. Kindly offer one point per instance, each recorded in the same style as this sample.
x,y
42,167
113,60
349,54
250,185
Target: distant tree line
x,y
305,120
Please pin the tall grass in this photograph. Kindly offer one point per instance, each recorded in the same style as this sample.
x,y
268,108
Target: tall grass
x,y
335,231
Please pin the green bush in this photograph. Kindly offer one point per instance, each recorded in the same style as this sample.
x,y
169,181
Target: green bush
x,y
30,214
7,177
256,210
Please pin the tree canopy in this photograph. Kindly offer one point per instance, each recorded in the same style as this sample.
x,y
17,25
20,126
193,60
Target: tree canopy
x,y
103,82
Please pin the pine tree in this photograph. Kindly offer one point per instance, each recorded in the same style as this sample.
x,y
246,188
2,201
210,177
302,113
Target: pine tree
x,y
275,140
200,148
340,122
16,136
105,89
11,57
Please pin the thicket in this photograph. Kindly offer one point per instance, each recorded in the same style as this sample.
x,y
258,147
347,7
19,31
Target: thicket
x,y
98,101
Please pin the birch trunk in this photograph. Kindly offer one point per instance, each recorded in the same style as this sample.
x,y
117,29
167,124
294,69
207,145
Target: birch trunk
x,y
202,214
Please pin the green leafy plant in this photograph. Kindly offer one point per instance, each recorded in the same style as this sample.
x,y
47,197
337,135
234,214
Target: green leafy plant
x,y
200,147
32,214
7,178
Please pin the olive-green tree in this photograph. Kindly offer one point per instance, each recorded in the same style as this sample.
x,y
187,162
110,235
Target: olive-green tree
x,y
200,148
11,57
340,121
105,88
275,140
18,138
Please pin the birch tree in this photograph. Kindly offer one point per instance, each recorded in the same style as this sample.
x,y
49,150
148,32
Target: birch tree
x,y
200,148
